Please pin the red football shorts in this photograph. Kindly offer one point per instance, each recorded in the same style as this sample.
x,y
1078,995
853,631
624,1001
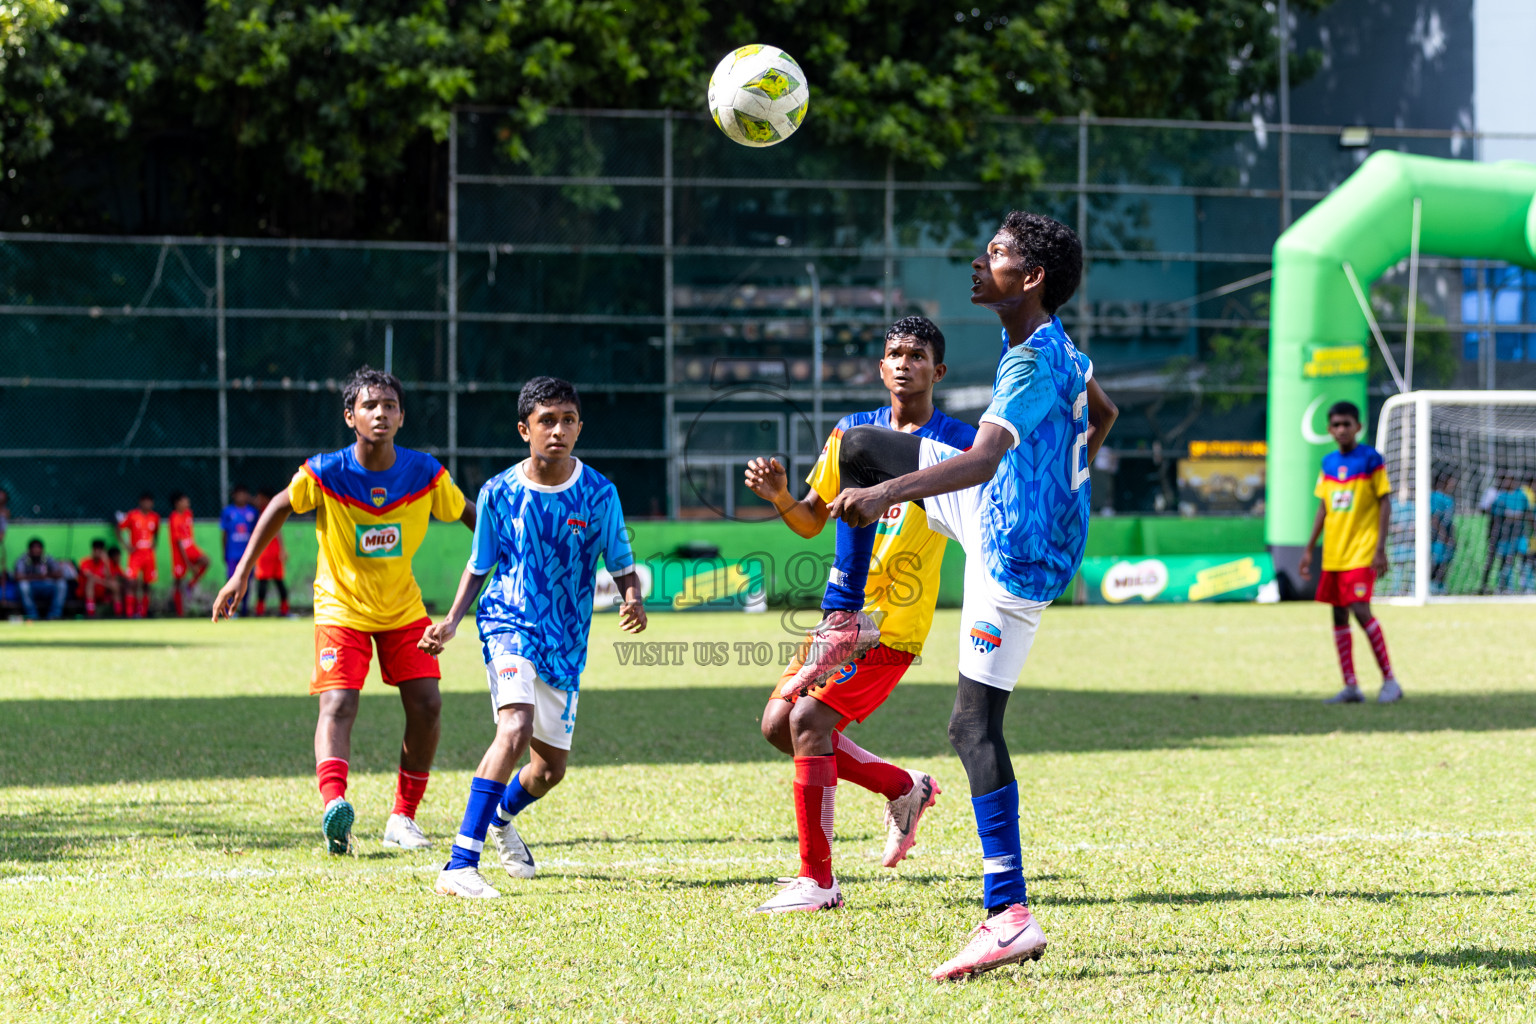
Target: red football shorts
x,y
342,656
859,687
142,565
1343,587
181,562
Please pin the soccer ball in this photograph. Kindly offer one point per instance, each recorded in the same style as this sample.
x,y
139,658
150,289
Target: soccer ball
x,y
758,95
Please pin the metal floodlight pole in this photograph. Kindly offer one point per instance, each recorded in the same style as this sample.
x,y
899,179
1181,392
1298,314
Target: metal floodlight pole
x,y
669,327
453,294
817,359
1084,304
1283,19
1413,290
223,360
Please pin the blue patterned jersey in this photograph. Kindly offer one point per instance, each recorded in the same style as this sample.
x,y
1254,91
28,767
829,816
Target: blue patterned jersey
x,y
540,546
1035,512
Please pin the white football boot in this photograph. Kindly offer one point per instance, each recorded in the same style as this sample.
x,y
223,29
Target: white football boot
x,y
802,894
403,833
903,814
465,882
1390,693
511,850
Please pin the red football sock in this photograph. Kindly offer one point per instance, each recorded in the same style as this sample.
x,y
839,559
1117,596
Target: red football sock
x,y
282,609
128,606
410,787
1346,648
176,603
1379,647
815,798
197,574
117,608
862,768
332,774
261,608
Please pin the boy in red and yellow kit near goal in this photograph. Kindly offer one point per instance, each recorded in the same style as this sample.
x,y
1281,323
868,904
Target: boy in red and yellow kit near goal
x,y
1354,508
372,502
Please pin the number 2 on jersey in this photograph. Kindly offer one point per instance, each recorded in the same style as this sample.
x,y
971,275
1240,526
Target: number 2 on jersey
x,y
1080,446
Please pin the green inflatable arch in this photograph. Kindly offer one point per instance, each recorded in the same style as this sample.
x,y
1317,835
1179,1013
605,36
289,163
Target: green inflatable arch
x,y
1319,338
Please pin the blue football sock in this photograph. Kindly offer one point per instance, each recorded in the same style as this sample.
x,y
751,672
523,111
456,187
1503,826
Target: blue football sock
x,y
850,567
514,800
483,795
1002,852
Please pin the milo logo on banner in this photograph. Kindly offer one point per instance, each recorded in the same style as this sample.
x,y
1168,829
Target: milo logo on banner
x,y
380,541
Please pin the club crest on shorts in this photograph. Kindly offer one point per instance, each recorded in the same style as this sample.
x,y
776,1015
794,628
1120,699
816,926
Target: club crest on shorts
x,y
986,637
506,672
378,496
576,523
1360,591
327,658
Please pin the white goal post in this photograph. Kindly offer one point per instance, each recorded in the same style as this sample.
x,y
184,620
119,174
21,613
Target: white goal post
x,y
1462,465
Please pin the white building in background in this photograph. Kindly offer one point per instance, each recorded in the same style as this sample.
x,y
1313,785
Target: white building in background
x,y
1503,45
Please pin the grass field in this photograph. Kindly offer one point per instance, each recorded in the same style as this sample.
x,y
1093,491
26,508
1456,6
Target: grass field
x,y
1203,838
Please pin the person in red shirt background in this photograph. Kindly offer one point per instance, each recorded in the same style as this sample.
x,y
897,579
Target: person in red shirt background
x,y
100,578
186,557
139,530
271,566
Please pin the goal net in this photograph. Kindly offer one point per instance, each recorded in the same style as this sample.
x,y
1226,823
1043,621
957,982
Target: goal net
x,y
1463,470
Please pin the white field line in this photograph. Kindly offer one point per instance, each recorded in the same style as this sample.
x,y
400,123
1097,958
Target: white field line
x,y
766,858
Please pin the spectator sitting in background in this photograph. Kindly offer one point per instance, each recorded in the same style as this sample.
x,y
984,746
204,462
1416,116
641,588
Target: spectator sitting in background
x,y
100,578
38,576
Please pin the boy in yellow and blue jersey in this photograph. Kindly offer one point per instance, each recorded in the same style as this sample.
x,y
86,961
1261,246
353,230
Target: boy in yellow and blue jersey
x,y
899,598
1354,508
372,502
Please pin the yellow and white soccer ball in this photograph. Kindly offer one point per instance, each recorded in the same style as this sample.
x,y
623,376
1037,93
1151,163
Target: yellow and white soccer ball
x,y
758,95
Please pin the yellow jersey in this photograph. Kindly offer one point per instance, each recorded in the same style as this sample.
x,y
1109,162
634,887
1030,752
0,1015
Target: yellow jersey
x,y
903,581
369,526
1351,487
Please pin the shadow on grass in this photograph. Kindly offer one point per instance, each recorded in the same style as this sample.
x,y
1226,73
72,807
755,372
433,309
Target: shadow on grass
x,y
53,742
1238,896
1146,962
1521,961
63,834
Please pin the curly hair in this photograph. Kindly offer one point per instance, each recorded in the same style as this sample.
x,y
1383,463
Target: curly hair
x,y
1051,245
367,377
546,391
924,330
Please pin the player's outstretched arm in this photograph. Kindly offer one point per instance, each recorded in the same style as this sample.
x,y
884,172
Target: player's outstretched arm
x,y
437,635
767,479
1305,568
860,506
1102,414
632,610
267,526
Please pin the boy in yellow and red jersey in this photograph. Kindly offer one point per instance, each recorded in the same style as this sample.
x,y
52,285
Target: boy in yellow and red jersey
x,y
1352,514
372,502
902,589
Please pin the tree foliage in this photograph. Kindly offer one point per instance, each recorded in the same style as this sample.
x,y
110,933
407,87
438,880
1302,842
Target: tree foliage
x,y
253,114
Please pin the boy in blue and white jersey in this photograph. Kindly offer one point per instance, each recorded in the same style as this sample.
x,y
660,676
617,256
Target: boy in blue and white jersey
x,y
1017,501
540,528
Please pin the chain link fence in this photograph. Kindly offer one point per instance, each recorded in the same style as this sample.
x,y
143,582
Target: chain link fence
x,y
711,303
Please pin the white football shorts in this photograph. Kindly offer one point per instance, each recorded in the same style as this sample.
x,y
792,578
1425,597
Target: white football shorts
x,y
997,629
514,680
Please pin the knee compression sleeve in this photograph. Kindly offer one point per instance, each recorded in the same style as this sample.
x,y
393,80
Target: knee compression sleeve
x,y
976,733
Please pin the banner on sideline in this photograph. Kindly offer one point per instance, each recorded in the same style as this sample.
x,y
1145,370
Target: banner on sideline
x,y
1175,578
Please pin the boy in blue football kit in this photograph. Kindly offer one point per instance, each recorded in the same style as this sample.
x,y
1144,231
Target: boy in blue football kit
x,y
1017,501
540,529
